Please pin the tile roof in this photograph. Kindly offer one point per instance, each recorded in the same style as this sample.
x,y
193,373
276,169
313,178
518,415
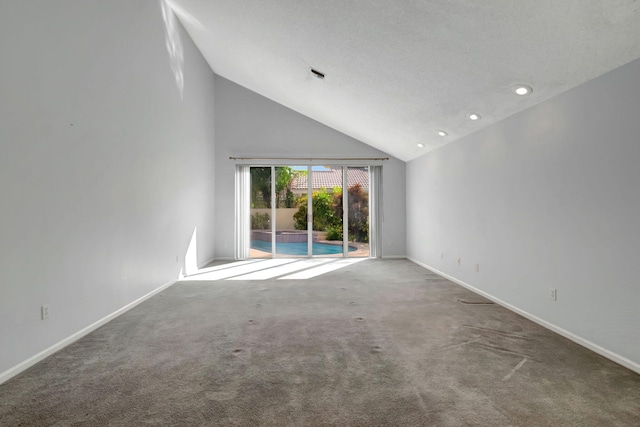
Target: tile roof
x,y
332,178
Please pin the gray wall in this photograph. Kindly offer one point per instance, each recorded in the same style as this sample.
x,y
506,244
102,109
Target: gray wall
x,y
105,170
250,125
544,199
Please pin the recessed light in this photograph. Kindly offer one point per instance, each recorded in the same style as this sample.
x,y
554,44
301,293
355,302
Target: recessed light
x,y
420,145
442,133
474,116
521,89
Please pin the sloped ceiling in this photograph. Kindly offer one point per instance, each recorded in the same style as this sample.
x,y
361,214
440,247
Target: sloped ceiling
x,y
398,71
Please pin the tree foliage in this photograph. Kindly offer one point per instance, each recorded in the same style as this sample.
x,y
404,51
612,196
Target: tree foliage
x,y
261,186
284,195
358,214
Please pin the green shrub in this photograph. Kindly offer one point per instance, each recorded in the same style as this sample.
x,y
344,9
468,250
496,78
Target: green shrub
x,y
324,212
327,213
300,217
334,232
260,221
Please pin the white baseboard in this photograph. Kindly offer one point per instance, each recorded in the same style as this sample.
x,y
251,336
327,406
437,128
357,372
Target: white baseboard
x,y
394,256
12,372
569,335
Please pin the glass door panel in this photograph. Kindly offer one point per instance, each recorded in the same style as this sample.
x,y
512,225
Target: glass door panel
x,y
260,212
291,221
327,215
358,216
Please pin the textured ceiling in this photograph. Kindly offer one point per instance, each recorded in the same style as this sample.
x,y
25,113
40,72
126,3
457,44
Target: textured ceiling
x,y
398,71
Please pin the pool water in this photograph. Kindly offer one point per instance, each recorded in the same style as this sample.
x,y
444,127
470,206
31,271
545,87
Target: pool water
x,y
299,248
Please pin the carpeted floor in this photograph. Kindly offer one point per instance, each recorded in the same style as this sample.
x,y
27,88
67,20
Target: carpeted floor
x,y
380,342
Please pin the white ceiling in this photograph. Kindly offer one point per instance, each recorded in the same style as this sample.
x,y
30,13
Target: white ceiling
x,y
398,71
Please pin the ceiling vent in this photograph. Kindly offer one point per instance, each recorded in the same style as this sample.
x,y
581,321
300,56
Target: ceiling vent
x,y
317,73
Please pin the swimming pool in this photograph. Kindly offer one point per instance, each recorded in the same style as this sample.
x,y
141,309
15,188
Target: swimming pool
x,y
299,248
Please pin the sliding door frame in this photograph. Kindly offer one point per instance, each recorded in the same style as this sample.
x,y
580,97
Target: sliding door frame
x,y
243,203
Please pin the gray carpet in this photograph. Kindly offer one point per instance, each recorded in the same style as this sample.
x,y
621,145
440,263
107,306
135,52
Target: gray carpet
x,y
382,342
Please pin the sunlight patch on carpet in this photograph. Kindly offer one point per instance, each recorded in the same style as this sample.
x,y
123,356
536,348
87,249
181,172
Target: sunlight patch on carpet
x,y
270,273
281,268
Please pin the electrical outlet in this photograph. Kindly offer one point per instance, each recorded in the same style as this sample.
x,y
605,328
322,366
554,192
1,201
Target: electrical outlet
x,y
477,268
442,255
459,260
44,312
553,294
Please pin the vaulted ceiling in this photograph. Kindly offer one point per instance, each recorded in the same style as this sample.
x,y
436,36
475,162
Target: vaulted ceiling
x,y
397,72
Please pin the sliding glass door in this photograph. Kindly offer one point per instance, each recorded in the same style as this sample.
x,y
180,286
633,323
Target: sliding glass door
x,y
277,220
291,235
326,185
301,211
260,212
358,210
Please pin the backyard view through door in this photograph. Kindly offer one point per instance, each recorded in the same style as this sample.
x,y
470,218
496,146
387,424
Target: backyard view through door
x,y
304,210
